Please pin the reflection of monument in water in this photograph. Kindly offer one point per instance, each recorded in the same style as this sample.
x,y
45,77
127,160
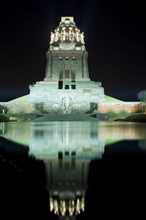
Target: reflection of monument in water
x,y
70,150
67,149
67,87
66,139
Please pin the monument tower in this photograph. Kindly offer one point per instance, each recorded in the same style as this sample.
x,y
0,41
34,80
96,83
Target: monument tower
x,y
67,57
67,88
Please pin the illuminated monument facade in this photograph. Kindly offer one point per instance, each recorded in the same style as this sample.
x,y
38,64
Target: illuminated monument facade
x,y
67,88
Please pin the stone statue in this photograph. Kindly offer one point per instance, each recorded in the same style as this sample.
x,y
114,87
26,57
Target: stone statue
x,y
77,36
63,34
82,38
72,36
66,35
66,105
52,38
70,33
56,36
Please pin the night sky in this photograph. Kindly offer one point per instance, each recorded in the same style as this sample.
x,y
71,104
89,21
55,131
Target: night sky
x,y
115,37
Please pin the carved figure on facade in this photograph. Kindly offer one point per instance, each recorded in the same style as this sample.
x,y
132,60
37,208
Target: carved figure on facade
x,y
56,36
63,33
77,35
66,101
82,38
70,34
52,38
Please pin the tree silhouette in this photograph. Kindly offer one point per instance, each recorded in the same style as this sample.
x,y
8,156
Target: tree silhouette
x,y
142,97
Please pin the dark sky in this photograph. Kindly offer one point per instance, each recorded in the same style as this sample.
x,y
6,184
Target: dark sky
x,y
115,37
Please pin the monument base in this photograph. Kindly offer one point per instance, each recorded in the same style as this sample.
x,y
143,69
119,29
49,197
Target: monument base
x,y
78,97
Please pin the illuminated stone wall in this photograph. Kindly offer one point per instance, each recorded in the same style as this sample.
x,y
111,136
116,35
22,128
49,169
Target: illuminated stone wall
x,y
128,107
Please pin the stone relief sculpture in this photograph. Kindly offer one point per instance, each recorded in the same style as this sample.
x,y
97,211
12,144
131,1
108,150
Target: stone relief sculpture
x,y
56,36
67,34
82,38
66,101
52,38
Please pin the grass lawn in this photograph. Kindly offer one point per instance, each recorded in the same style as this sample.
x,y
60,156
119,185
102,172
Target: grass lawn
x,y
111,99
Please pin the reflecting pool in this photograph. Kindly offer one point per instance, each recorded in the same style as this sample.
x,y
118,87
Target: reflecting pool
x,y
72,170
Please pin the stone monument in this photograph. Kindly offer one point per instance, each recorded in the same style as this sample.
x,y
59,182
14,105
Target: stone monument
x,y
67,88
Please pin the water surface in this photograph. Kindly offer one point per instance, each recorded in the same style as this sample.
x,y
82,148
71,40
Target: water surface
x,y
72,169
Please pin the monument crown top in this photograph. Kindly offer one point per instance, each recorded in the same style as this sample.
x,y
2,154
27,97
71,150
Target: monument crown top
x,y
64,19
67,32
